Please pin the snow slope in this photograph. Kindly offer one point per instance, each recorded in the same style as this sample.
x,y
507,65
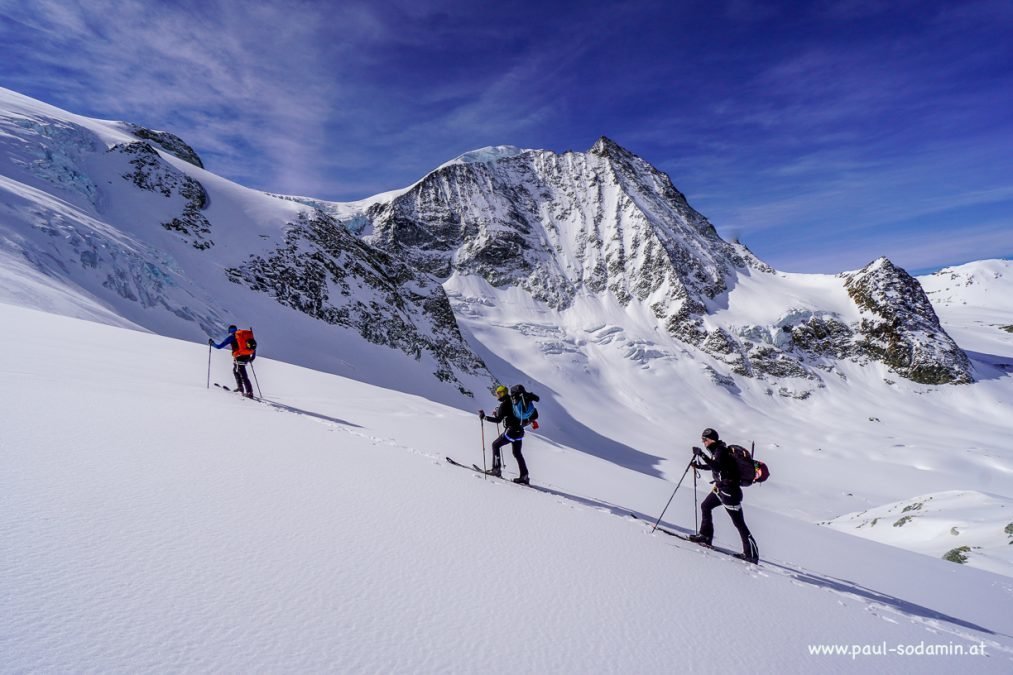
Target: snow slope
x,y
97,222
975,304
624,391
954,525
152,524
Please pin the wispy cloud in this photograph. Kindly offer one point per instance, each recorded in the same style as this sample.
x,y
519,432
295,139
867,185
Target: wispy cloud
x,y
221,79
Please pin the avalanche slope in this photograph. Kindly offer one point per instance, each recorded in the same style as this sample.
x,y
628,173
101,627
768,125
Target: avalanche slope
x,y
99,221
152,524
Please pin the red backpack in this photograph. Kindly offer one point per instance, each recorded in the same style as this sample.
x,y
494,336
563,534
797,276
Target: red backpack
x,y
246,345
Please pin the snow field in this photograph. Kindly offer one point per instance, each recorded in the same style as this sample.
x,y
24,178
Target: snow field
x,y
157,525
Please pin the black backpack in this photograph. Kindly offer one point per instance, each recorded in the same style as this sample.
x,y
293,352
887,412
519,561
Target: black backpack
x,y
750,470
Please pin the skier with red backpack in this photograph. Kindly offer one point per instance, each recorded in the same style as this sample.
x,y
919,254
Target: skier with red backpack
x,y
727,492
244,351
516,411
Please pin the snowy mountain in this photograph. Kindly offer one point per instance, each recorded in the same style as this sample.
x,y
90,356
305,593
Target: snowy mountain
x,y
585,276
125,222
113,209
605,222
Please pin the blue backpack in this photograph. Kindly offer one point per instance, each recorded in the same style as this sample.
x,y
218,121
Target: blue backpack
x,y
524,405
525,411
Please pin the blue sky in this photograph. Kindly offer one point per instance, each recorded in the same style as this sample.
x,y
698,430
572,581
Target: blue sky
x,y
823,134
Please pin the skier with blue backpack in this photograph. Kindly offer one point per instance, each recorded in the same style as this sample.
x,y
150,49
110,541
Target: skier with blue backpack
x,y
516,411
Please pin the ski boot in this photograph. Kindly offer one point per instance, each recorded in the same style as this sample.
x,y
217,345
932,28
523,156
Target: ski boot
x,y
522,480
495,472
699,539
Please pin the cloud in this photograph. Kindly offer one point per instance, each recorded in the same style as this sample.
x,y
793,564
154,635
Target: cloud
x,y
221,79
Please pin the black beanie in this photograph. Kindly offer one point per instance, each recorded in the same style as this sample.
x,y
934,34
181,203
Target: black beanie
x,y
709,433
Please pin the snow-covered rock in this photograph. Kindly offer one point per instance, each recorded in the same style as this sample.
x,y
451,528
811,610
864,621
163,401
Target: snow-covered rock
x,y
324,271
169,142
900,327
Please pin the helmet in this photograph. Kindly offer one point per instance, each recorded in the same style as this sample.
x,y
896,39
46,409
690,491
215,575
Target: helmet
x,y
710,434
501,391
517,390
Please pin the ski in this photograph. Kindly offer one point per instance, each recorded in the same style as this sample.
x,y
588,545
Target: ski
x,y
477,469
463,466
685,538
235,391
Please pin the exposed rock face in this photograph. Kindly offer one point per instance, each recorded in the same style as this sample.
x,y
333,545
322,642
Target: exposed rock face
x,y
154,174
602,221
171,143
605,221
901,328
324,271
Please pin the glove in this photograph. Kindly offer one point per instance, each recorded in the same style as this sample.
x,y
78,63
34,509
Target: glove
x,y
481,414
211,342
697,452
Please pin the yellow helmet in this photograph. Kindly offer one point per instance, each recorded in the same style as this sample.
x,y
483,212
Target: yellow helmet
x,y
502,391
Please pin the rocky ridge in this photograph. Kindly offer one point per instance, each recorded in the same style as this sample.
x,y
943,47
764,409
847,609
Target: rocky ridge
x,y
171,143
900,328
324,271
152,173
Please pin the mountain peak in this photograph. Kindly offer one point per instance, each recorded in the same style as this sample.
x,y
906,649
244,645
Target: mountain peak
x,y
605,147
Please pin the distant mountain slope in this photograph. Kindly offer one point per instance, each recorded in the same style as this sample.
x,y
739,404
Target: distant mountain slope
x,y
975,304
126,219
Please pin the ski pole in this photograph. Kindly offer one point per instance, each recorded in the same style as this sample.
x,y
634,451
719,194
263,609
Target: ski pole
x,y
209,366
259,393
502,458
696,516
673,494
481,424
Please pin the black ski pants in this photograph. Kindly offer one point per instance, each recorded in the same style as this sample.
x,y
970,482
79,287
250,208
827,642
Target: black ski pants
x,y
242,379
731,499
515,444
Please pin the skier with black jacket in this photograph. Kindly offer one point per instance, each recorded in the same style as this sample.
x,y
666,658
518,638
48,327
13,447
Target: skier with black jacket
x,y
241,356
727,492
513,429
